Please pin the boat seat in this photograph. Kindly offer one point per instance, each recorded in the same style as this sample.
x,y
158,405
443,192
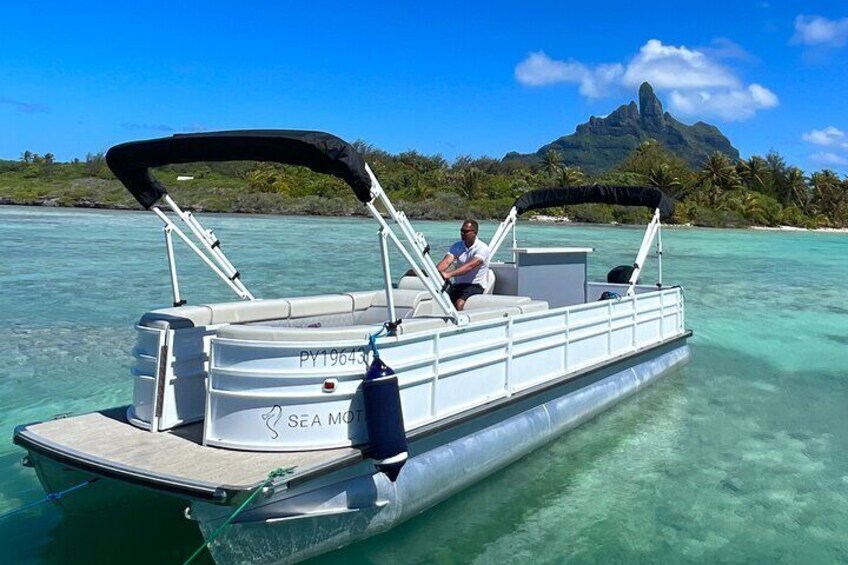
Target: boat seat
x,y
322,305
494,300
177,318
249,310
480,314
533,306
408,304
418,325
489,287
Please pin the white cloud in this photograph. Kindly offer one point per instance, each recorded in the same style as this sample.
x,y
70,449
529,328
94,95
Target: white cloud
x,y
697,82
828,136
667,66
832,159
730,105
539,70
835,140
819,31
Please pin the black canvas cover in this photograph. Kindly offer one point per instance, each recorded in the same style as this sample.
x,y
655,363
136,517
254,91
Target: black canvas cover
x,y
323,153
597,194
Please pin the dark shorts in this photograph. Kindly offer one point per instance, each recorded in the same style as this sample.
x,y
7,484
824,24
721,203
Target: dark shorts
x,y
464,291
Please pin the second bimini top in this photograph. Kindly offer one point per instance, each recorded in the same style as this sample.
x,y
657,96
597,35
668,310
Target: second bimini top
x,y
322,152
649,197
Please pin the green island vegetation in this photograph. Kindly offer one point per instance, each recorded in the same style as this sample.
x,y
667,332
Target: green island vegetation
x,y
721,192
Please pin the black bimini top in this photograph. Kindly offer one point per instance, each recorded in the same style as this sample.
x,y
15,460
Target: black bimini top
x,y
597,194
323,153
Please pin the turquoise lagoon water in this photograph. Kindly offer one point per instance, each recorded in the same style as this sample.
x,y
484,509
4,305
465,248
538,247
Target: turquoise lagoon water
x,y
740,457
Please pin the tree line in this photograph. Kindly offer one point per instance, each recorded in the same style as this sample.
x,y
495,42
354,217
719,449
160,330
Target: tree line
x,y
760,190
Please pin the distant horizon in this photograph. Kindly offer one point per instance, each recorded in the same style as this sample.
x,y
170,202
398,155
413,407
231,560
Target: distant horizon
x,y
438,79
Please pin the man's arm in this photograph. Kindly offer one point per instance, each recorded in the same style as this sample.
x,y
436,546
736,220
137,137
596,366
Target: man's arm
x,y
445,263
470,266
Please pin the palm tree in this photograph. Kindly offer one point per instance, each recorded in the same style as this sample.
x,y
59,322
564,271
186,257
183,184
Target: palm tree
x,y
469,182
26,156
778,173
753,172
718,176
571,176
827,192
796,185
663,178
552,162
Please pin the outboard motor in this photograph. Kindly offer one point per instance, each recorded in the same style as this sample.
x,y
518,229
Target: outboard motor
x,y
620,274
384,419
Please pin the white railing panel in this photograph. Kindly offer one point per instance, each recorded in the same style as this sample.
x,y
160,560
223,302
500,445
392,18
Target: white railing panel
x,y
623,307
669,322
523,327
533,345
144,389
621,340
470,381
461,340
648,302
440,374
586,351
147,341
648,331
587,313
144,371
417,398
533,368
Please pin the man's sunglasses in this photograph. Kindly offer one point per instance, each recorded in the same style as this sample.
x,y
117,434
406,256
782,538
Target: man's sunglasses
x,y
466,231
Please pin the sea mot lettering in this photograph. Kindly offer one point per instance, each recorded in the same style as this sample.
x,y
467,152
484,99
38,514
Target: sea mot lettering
x,y
275,418
329,419
334,357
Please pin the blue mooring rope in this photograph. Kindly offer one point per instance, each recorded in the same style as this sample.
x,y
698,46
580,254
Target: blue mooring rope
x,y
52,496
372,340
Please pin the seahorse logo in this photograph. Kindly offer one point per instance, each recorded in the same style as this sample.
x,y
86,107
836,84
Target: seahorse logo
x,y
271,418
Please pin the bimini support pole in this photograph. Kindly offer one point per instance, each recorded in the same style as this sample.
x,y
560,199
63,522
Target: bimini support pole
x,y
387,275
515,242
647,239
175,229
416,253
212,245
659,256
172,266
438,296
503,231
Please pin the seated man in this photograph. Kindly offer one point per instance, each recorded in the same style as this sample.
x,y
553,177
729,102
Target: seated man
x,y
472,265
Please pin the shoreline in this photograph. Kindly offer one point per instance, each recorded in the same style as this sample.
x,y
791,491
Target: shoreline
x,y
796,228
539,218
546,219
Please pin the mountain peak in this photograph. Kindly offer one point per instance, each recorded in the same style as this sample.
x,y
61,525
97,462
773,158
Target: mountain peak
x,y
601,143
650,107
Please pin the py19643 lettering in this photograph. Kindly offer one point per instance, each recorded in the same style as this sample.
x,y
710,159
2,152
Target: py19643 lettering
x,y
342,357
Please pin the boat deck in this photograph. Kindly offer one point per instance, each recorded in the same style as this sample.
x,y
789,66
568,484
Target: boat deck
x,y
174,461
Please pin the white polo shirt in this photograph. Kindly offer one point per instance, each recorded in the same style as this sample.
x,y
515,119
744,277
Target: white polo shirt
x,y
463,255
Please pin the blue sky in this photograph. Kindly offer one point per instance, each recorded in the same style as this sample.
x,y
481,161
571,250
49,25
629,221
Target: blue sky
x,y
452,78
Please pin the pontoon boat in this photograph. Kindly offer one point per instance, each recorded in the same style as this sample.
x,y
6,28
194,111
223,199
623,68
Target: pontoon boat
x,y
275,417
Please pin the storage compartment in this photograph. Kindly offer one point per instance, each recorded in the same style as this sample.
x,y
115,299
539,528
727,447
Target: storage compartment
x,y
556,275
